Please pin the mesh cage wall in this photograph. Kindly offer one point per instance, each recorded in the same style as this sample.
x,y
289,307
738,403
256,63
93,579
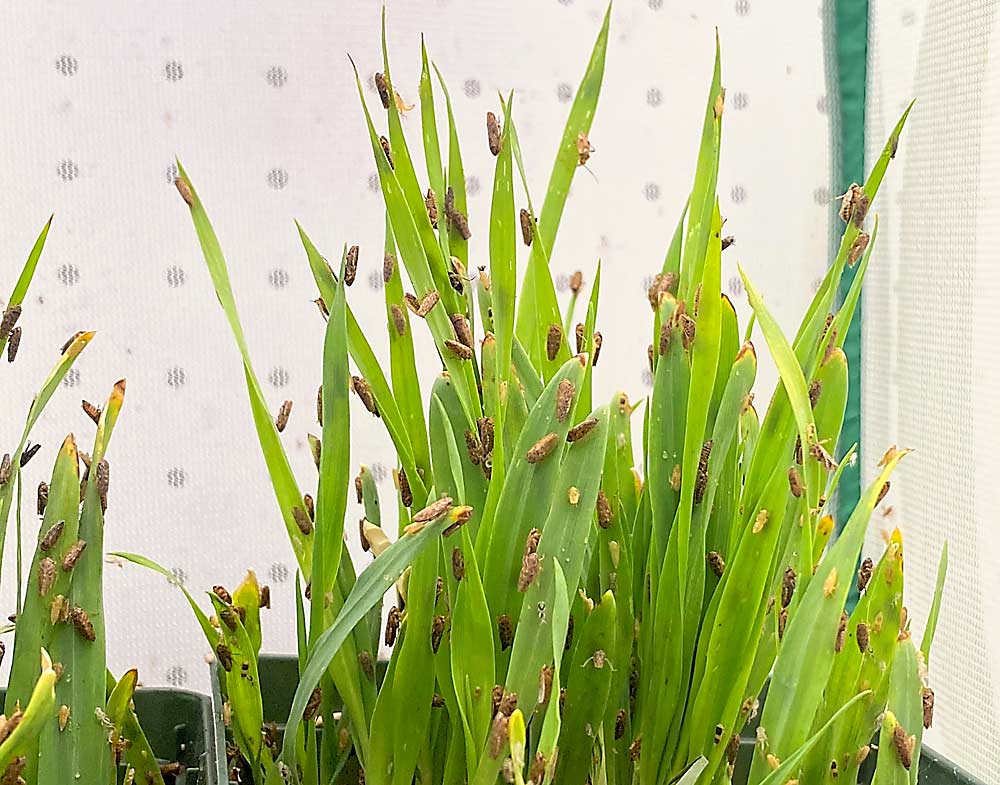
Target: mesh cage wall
x,y
930,379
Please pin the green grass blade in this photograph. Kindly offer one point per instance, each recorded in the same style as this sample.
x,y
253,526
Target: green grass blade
x,y
806,656
403,365
246,597
368,366
728,641
888,153
472,656
406,177
335,460
564,167
414,679
789,764
879,608
243,688
505,533
672,259
792,378
581,115
888,769
703,199
457,244
503,257
211,634
667,410
27,273
286,490
428,123
932,617
414,255
83,686
704,366
35,630
846,313
565,537
372,583
552,726
539,306
138,754
587,686
474,483
39,710
905,708
72,351
585,401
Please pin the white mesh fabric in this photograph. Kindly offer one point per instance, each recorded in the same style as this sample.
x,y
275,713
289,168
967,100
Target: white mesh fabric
x,y
930,322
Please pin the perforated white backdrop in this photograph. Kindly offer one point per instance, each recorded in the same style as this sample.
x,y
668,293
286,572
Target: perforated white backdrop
x,y
930,327
258,100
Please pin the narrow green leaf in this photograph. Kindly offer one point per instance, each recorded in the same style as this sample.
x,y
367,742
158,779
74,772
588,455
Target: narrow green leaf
x,y
36,629
503,258
428,123
403,365
286,490
552,725
28,271
368,365
38,710
540,294
932,617
806,656
335,460
564,168
82,747
372,583
789,764
211,634
587,686
457,244
505,533
581,115
414,255
76,345
702,200
243,688
565,537
138,754
406,176
472,655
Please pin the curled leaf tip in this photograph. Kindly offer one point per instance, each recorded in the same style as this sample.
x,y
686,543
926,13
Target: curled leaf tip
x,y
747,350
892,455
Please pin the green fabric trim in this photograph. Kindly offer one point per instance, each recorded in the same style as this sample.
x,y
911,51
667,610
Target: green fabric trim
x,y
850,72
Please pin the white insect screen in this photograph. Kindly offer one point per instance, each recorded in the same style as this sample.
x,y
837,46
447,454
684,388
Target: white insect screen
x,y
930,325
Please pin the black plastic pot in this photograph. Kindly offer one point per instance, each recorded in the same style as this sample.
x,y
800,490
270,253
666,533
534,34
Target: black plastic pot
x,y
279,676
180,729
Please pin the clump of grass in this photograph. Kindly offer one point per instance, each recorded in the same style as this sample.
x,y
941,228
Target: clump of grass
x,y
570,605
65,716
